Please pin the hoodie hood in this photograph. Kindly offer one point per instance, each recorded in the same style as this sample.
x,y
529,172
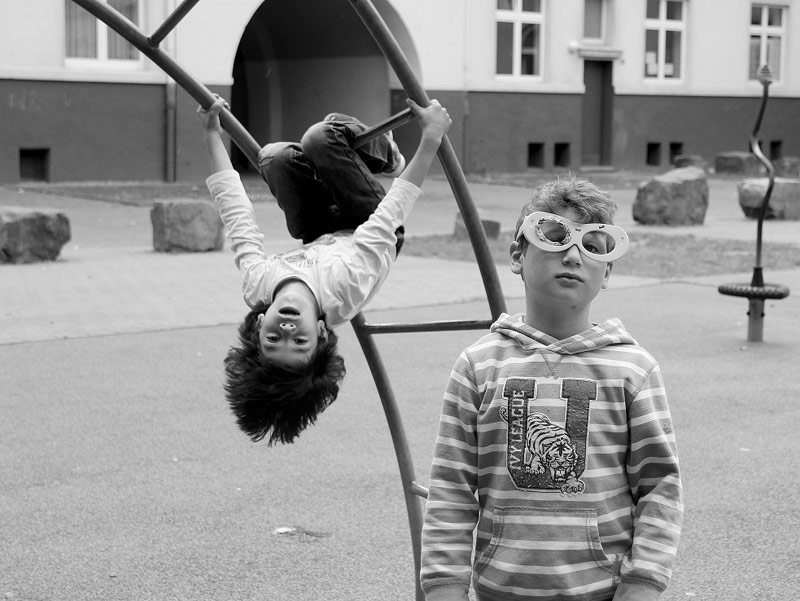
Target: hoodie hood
x,y
530,339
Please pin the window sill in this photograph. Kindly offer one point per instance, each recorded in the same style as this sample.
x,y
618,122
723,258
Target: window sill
x,y
597,52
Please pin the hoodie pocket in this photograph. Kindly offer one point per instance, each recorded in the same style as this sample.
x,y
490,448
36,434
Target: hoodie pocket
x,y
541,548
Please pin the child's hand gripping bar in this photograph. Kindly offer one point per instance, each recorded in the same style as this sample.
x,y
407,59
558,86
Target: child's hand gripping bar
x,y
392,122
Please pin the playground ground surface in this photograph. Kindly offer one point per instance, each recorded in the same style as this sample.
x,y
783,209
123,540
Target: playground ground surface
x,y
124,477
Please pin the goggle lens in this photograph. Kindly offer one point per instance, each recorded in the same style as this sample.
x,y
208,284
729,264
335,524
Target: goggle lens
x,y
554,232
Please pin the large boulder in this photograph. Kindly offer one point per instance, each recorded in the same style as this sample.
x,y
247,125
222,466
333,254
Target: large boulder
x,y
678,197
738,163
186,225
32,235
690,160
784,202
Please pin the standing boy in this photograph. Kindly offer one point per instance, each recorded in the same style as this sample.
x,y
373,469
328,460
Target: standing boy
x,y
555,439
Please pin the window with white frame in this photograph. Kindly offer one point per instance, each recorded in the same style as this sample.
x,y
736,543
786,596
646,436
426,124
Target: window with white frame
x,y
594,17
665,24
766,39
519,38
90,41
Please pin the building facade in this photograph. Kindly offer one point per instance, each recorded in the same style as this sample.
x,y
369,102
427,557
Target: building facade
x,y
531,84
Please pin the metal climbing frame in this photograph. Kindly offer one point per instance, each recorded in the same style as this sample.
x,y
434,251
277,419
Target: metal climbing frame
x,y
757,291
149,46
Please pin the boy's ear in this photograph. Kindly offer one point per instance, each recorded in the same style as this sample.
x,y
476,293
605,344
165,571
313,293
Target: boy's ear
x,y
516,253
609,267
322,330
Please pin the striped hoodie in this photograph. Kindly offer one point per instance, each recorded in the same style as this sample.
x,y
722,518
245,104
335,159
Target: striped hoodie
x,y
562,453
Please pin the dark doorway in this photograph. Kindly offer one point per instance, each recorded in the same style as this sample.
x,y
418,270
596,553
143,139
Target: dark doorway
x,y
597,113
299,60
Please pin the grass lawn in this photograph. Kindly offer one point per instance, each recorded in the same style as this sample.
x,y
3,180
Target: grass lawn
x,y
650,255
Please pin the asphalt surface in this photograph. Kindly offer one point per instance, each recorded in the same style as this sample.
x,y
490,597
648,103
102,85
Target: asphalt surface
x,y
123,477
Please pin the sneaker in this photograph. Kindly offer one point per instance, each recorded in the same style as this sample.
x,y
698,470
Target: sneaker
x,y
395,162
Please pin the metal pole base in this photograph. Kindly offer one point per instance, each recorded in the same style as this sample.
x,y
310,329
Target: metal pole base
x,y
755,323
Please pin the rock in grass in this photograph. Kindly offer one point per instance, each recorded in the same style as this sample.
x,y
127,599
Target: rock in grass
x,y
678,197
186,225
32,235
784,201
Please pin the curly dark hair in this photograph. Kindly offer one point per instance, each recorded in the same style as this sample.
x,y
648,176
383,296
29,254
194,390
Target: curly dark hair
x,y
275,400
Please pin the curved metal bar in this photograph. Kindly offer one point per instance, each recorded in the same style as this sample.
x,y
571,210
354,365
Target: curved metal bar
x,y
239,135
373,132
391,50
171,22
765,77
429,326
242,138
401,448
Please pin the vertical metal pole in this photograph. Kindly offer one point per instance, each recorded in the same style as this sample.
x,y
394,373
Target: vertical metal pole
x,y
765,77
401,448
755,322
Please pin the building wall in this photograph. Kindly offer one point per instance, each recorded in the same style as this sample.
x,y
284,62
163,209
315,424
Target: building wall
x,y
89,130
104,123
503,126
704,126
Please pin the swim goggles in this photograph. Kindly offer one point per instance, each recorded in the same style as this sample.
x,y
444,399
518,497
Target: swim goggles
x,y
553,233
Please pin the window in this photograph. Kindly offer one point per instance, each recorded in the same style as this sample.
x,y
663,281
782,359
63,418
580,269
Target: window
x,y
766,39
89,40
653,154
594,20
664,27
519,37
535,154
34,164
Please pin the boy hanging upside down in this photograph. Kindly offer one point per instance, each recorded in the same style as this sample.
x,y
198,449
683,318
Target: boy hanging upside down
x,y
286,369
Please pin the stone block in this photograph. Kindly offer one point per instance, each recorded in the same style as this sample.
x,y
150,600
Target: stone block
x,y
784,202
186,225
678,197
690,160
491,227
739,163
787,167
32,235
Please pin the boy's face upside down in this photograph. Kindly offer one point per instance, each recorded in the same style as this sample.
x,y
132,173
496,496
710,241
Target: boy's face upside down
x,y
290,329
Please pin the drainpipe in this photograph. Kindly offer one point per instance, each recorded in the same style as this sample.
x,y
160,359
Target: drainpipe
x,y
170,108
170,130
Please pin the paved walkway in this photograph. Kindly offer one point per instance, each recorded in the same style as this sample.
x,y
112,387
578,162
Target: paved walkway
x,y
108,279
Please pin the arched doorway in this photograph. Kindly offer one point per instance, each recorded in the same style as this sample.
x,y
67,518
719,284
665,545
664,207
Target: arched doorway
x,y
299,60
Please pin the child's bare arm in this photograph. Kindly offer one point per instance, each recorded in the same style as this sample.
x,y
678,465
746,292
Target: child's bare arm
x,y
212,134
434,121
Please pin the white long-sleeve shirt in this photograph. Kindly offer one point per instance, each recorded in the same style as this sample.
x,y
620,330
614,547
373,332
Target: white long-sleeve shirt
x,y
343,270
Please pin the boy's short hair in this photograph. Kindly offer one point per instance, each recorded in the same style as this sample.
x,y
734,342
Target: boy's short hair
x,y
592,204
276,400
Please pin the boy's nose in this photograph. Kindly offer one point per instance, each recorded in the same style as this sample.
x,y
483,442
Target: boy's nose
x,y
573,255
288,325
